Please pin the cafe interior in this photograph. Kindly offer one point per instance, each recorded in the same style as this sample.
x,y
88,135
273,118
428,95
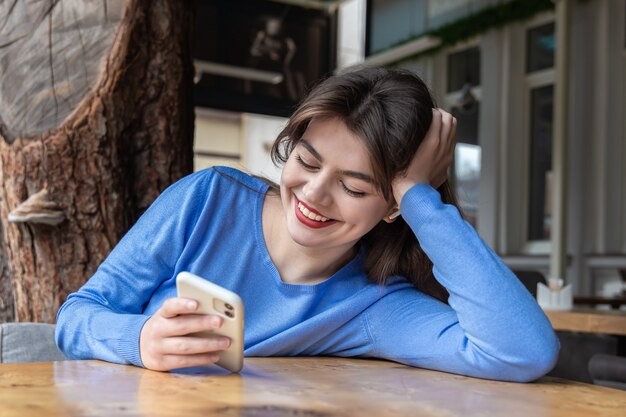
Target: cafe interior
x,y
539,92
539,163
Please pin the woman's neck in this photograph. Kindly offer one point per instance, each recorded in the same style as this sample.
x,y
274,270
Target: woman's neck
x,y
295,263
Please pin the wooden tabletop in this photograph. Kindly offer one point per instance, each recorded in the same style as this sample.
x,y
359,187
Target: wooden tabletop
x,y
294,387
589,321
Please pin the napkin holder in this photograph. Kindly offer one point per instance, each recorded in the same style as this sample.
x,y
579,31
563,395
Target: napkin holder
x,y
555,298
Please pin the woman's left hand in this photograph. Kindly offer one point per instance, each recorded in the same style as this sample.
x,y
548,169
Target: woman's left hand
x,y
433,157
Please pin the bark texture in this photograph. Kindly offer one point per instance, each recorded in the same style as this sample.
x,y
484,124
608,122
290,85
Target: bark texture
x,y
74,190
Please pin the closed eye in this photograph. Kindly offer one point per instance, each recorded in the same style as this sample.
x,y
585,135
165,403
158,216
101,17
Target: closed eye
x,y
304,164
310,167
351,192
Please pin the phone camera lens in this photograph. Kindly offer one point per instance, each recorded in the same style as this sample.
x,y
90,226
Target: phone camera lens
x,y
229,314
228,306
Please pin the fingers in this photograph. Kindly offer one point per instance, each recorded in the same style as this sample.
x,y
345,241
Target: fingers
x,y
169,362
452,137
173,307
166,353
441,135
447,143
447,127
193,323
180,352
433,157
194,345
434,131
177,319
168,340
164,342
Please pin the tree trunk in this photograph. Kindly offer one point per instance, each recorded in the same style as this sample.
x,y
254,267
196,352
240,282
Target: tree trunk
x,y
69,193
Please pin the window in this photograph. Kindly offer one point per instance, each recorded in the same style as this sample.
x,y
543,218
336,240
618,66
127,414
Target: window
x,y
466,178
463,68
540,48
540,81
463,85
259,56
541,100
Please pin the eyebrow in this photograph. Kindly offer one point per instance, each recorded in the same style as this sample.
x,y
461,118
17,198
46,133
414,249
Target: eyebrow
x,y
349,173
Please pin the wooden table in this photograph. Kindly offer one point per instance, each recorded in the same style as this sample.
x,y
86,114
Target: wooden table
x,y
293,387
589,321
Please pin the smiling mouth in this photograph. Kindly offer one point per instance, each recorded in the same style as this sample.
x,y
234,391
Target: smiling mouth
x,y
311,215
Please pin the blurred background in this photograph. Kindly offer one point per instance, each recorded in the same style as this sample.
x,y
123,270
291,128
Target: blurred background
x,y
493,65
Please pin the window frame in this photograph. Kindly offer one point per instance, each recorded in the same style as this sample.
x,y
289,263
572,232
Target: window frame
x,y
531,81
538,79
490,123
449,99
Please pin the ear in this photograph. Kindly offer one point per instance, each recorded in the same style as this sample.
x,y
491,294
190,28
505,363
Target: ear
x,y
393,214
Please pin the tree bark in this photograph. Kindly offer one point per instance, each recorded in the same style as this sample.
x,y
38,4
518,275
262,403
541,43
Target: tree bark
x,y
73,191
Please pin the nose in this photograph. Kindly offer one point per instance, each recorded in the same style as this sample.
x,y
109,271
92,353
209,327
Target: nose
x,y
317,190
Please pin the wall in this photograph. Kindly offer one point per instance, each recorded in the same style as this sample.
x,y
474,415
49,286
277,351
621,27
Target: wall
x,y
217,139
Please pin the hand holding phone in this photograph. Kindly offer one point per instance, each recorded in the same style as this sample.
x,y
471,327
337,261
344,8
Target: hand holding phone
x,y
217,301
192,330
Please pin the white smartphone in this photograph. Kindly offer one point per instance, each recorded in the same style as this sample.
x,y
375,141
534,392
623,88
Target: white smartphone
x,y
215,300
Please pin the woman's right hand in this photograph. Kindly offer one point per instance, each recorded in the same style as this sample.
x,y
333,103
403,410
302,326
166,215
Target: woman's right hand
x,y
165,342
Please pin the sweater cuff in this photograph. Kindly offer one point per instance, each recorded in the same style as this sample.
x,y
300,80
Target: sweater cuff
x,y
128,345
418,203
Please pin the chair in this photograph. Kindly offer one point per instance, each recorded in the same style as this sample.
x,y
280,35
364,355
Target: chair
x,y
28,342
608,370
530,279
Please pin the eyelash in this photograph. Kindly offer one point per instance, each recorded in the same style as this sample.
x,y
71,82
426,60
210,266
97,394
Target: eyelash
x,y
304,164
350,192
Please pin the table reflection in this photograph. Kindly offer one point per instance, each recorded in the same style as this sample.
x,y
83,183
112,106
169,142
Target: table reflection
x,y
303,387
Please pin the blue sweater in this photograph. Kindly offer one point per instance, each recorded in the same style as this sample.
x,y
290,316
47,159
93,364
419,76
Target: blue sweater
x,y
210,224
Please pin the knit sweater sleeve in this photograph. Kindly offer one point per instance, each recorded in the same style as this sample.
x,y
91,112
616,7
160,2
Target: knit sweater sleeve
x,y
492,327
103,320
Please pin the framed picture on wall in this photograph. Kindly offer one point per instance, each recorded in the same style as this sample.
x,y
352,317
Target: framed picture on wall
x,y
260,56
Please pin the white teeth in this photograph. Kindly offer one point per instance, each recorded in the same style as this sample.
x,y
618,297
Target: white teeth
x,y
311,215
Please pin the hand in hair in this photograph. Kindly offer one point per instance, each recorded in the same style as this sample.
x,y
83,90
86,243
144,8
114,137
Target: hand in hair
x,y
433,157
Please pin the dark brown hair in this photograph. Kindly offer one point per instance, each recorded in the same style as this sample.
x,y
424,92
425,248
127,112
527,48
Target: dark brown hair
x,y
390,110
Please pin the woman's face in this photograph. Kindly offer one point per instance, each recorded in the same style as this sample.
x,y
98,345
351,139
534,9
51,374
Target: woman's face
x,y
327,189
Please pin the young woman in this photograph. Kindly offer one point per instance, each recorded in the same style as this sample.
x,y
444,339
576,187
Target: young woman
x,y
359,252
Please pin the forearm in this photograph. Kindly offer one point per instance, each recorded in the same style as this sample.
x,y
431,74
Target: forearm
x,y
87,329
497,315
103,319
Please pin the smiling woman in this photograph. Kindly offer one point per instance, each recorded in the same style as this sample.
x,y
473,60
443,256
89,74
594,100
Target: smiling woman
x,y
329,200
331,186
365,124
327,246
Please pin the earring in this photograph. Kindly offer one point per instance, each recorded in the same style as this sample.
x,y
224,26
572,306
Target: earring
x,y
396,213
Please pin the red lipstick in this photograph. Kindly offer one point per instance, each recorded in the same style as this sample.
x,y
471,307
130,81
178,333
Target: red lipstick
x,y
305,220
